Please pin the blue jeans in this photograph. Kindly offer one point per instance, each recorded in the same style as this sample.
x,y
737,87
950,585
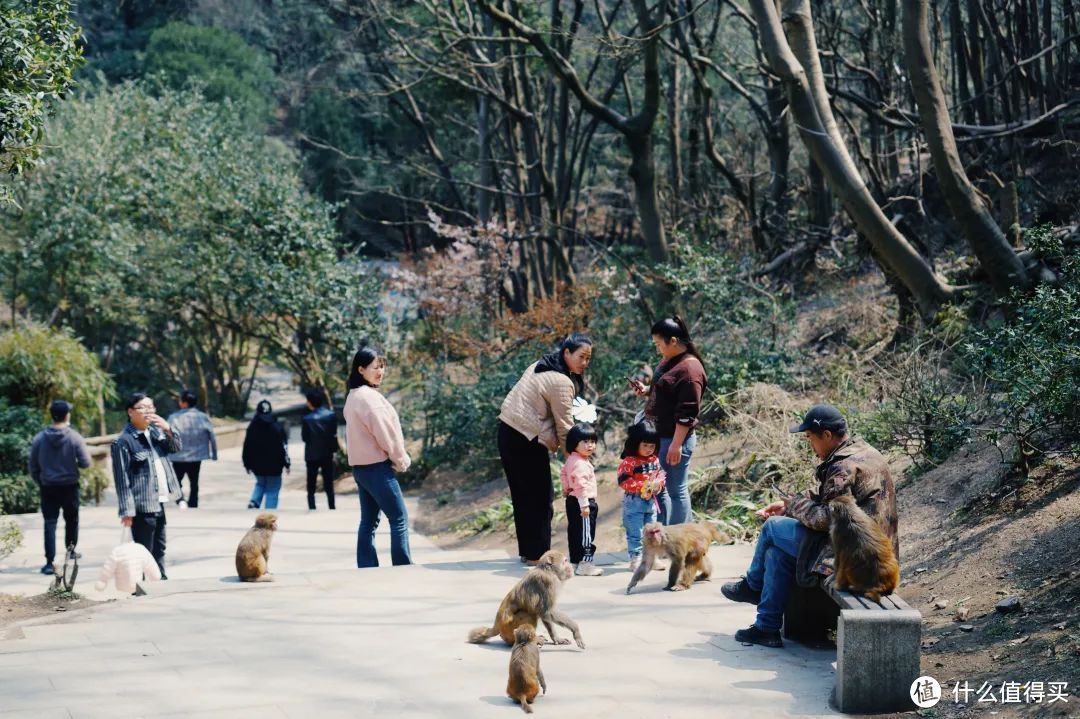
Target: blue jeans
x,y
675,498
379,491
268,485
636,513
773,568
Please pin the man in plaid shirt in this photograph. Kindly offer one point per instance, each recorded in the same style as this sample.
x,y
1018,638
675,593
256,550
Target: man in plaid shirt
x,y
144,479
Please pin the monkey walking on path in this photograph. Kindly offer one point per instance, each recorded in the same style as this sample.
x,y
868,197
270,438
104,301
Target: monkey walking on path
x,y
531,600
865,561
687,545
526,679
253,553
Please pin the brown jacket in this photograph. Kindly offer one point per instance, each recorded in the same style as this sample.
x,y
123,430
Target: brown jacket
x,y
675,395
853,468
539,406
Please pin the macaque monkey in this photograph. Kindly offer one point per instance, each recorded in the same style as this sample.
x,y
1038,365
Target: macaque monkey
x,y
254,551
531,600
687,545
526,679
865,561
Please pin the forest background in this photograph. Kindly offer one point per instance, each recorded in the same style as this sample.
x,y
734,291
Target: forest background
x,y
871,202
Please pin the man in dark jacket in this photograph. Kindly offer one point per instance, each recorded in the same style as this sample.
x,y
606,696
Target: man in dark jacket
x,y
794,543
197,435
319,433
142,475
56,454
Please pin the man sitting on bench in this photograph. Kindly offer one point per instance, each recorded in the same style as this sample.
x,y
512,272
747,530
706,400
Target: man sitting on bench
x,y
794,542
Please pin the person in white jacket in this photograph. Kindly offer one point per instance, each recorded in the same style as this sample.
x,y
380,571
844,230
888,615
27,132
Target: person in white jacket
x,y
376,449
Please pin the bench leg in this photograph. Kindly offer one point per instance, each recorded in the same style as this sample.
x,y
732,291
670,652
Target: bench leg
x,y
810,614
877,659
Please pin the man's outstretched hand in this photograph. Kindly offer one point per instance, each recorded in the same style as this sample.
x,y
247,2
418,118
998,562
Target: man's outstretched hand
x,y
776,509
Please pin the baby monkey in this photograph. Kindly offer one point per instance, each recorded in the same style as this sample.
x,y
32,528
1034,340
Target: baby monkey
x,y
253,553
526,680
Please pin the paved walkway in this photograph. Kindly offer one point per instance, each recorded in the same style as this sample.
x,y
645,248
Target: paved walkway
x,y
328,640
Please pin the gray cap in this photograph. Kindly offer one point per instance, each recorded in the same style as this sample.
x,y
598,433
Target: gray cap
x,y
822,417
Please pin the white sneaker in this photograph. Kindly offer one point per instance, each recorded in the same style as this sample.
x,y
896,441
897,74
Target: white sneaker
x,y
588,569
635,562
182,504
660,565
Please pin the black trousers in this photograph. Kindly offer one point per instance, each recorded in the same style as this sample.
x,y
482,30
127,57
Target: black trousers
x,y
581,531
528,472
148,529
55,498
191,469
327,467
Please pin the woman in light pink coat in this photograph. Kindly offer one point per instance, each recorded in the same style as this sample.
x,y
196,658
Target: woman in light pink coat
x,y
376,448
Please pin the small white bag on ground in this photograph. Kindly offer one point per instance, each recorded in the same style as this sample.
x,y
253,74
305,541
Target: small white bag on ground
x,y
127,564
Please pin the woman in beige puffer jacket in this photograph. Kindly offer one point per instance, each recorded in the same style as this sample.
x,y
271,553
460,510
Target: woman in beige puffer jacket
x,y
534,420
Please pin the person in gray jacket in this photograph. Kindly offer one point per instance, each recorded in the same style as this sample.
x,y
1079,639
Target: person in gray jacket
x,y
197,435
56,454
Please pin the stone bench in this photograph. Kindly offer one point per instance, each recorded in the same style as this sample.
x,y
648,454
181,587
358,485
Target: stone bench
x,y
877,645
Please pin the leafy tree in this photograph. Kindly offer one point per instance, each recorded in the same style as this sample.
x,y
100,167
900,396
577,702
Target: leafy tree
x,y
38,365
38,53
182,245
216,59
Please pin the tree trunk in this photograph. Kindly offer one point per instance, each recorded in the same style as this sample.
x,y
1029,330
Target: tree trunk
x,y
997,258
894,250
674,127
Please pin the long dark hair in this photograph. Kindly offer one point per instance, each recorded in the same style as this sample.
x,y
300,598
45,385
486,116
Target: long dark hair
x,y
674,328
578,434
363,358
643,431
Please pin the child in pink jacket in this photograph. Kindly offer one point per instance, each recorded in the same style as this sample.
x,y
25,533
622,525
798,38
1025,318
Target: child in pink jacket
x,y
579,488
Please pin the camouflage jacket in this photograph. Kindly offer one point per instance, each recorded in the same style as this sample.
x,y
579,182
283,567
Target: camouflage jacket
x,y
853,468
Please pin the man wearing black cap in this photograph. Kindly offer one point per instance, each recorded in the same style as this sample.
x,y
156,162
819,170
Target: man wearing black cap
x,y
794,542
56,454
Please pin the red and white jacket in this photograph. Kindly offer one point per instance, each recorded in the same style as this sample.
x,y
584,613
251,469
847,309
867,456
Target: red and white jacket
x,y
641,476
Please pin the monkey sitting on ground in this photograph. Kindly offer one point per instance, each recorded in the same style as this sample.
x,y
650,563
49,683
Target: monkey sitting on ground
x,y
533,599
687,545
526,679
253,553
865,561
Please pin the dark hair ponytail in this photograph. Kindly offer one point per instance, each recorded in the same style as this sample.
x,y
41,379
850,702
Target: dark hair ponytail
x,y
363,358
675,328
643,431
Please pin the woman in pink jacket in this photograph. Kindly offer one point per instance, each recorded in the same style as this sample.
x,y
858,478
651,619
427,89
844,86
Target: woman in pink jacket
x,y
376,448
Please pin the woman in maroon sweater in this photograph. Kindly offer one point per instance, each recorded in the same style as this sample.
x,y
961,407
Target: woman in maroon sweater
x,y
674,402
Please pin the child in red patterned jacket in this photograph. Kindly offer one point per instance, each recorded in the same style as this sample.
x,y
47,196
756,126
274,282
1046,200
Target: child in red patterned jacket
x,y
641,479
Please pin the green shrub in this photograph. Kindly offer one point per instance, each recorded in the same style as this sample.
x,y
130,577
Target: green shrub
x,y
94,480
216,59
18,425
18,494
40,364
934,409
1031,359
11,537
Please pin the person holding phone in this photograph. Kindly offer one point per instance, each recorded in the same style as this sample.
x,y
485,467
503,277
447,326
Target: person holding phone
x,y
673,404
142,475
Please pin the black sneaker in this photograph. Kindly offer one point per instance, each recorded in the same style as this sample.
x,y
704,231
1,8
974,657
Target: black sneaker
x,y
48,570
753,635
740,591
